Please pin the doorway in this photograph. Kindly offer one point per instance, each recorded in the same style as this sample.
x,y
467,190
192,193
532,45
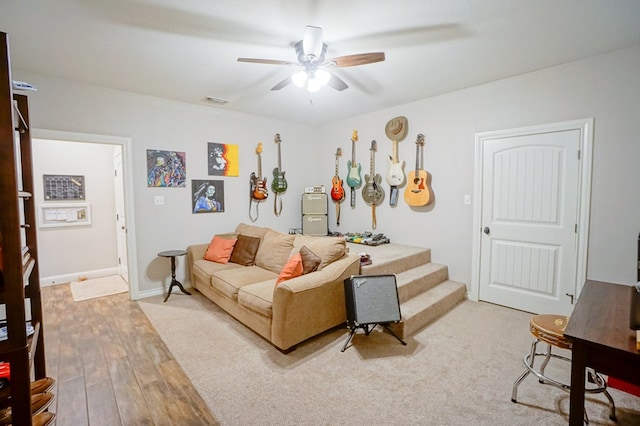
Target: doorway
x,y
531,216
123,200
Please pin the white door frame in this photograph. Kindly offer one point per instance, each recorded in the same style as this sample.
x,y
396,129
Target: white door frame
x,y
585,126
127,164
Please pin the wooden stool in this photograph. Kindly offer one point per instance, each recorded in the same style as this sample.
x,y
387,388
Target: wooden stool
x,y
549,329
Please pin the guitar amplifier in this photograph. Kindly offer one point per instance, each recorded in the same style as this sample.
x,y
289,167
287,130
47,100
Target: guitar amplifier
x,y
314,204
315,224
371,299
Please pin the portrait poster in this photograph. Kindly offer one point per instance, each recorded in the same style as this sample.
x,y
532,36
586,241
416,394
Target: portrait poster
x,y
166,169
208,196
223,159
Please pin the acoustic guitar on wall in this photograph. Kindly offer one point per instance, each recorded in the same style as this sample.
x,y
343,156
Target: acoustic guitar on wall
x,y
354,179
418,192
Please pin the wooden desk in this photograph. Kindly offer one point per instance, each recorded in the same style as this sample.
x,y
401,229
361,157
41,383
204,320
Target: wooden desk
x,y
602,339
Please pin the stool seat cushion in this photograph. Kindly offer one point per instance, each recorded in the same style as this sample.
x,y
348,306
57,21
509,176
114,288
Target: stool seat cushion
x,y
550,329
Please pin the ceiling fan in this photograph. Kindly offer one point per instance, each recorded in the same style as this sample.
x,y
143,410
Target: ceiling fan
x,y
311,58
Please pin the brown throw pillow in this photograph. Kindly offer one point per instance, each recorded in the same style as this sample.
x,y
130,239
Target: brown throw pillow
x,y
244,252
310,261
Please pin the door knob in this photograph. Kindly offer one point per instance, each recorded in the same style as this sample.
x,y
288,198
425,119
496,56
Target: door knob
x,y
486,230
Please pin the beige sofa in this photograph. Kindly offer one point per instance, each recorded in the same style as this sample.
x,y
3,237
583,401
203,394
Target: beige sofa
x,y
295,309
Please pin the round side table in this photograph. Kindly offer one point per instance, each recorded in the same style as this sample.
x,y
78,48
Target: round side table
x,y
173,254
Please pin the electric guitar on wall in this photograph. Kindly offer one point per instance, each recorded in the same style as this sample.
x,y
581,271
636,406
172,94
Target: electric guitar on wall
x,y
258,183
279,183
337,190
354,179
395,174
372,193
417,193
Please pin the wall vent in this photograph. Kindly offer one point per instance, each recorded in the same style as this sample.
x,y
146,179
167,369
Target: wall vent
x,y
214,101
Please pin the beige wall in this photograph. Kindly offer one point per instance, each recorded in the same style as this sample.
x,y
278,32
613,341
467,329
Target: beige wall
x,y
605,87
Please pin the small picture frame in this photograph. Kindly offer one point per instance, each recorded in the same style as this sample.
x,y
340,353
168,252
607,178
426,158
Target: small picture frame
x,y
208,196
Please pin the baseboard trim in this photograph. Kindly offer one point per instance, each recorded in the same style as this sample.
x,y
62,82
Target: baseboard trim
x,y
74,276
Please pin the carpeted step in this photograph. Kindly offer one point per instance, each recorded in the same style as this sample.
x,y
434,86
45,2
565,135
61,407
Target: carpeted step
x,y
391,258
426,307
420,279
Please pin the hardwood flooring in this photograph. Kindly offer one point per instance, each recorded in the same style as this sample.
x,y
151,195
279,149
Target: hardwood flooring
x,y
111,367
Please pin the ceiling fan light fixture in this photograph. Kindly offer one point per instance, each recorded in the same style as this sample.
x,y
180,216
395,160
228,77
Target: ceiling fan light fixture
x,y
322,77
299,78
313,85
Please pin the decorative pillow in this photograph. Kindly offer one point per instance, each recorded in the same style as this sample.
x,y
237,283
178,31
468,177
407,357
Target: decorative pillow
x,y
292,269
220,249
310,261
244,252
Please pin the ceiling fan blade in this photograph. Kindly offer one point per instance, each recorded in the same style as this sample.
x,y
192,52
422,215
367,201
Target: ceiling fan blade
x,y
357,59
312,41
282,84
267,61
337,83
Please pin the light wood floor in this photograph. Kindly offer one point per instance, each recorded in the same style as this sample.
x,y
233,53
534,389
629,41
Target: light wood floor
x,y
111,367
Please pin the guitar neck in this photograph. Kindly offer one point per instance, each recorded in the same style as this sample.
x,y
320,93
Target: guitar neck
x,y
371,168
395,152
259,166
353,153
279,159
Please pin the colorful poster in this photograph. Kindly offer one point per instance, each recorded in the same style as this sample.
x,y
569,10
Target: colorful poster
x,y
223,159
166,169
208,196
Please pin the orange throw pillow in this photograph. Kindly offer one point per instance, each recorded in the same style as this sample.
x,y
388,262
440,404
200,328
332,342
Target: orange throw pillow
x,y
220,249
292,269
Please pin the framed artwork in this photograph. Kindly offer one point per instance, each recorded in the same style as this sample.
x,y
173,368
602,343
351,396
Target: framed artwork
x,y
166,169
58,215
223,159
208,196
63,187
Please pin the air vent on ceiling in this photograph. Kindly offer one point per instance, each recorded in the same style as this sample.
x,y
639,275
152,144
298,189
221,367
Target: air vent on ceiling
x,y
214,101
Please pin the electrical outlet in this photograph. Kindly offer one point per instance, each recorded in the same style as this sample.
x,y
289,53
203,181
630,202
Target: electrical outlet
x,y
158,200
467,199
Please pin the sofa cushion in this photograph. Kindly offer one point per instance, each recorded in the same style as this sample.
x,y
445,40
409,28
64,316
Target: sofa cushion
x,y
204,269
274,251
310,262
220,249
292,269
251,230
229,281
258,297
329,249
244,252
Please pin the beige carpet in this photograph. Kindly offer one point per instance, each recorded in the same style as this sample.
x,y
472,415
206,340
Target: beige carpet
x,y
458,370
98,287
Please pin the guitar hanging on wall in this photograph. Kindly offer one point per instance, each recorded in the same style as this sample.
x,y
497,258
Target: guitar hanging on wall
x,y
418,193
279,184
372,192
354,179
258,185
337,190
395,175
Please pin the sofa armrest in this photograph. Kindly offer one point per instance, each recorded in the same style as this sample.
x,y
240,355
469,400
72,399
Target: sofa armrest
x,y
310,304
194,252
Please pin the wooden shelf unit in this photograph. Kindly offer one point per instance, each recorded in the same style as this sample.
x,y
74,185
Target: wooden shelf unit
x,y
19,277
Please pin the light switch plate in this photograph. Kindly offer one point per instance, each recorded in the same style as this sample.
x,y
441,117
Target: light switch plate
x,y
158,200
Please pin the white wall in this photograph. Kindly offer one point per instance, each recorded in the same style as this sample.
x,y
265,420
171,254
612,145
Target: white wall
x,y
159,124
605,87
83,250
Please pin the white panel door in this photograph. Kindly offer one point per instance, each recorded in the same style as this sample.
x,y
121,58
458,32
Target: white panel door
x,y
530,194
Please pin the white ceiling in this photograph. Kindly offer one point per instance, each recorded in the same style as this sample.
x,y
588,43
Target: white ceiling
x,y
187,49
